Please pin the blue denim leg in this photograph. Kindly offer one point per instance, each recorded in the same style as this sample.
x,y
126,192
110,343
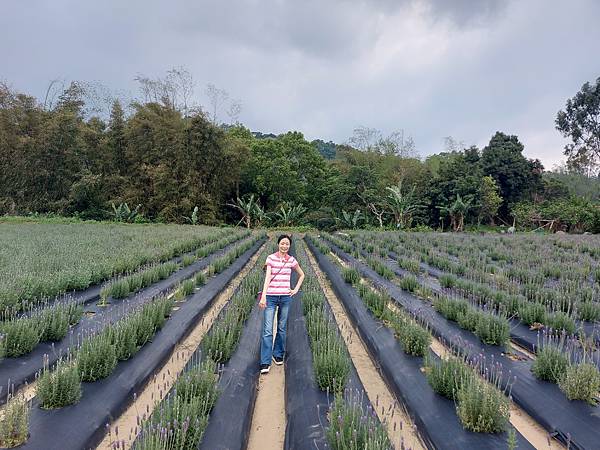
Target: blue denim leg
x,y
266,344
282,316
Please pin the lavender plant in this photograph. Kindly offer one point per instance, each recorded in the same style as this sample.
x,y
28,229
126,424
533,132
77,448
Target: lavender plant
x,y
59,387
14,422
354,427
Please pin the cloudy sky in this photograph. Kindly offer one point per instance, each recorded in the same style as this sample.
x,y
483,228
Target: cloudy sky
x,y
434,68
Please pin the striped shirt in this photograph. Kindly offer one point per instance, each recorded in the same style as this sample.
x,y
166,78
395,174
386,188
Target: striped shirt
x,y
280,279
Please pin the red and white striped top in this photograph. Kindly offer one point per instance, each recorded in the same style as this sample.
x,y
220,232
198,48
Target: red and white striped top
x,y
280,283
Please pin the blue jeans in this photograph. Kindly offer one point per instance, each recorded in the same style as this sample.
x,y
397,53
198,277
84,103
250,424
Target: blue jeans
x,y
267,349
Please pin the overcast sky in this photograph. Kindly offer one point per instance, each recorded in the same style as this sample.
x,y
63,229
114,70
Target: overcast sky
x,y
325,67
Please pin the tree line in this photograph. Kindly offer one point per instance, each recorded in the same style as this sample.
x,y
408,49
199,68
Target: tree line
x,y
166,160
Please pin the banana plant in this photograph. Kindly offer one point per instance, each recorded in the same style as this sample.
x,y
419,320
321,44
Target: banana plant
x,y
404,205
349,220
123,213
289,215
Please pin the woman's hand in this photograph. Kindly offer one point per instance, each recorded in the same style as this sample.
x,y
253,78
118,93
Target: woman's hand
x,y
293,292
262,304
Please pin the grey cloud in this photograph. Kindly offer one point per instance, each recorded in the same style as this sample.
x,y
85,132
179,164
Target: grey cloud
x,y
433,67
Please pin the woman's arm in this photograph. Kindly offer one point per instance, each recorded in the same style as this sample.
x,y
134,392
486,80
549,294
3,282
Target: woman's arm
x,y
300,280
263,297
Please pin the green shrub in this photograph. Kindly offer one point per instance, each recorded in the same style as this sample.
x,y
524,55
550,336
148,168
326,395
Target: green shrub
x,y
550,363
482,407
409,283
380,268
187,260
447,281
561,321
200,381
200,279
176,424
14,425
531,312
20,336
222,338
351,427
375,301
144,328
451,309
468,320
492,329
54,322
188,287
446,376
123,337
415,339
331,363
581,382
351,275
96,358
59,387
589,311
311,300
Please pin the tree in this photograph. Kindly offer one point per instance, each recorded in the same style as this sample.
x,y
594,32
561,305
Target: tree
x,y
116,139
173,91
216,98
349,220
373,140
377,206
516,176
457,211
247,207
580,122
402,204
288,214
489,199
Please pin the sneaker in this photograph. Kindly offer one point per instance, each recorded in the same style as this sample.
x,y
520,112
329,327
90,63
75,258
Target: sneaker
x,y
278,360
264,368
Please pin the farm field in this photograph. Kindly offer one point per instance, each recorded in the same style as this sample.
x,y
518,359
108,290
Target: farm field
x,y
523,308
43,260
393,342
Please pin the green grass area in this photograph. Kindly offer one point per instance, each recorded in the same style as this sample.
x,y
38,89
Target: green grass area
x,y
40,259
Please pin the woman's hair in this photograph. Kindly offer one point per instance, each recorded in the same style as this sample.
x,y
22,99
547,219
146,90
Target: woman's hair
x,y
284,236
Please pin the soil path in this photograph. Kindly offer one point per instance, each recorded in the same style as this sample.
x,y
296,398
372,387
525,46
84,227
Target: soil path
x,y
125,428
268,421
400,428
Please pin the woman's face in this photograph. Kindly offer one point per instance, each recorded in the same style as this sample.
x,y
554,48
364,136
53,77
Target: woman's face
x,y
284,245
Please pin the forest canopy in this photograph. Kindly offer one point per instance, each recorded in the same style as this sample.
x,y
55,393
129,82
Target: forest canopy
x,y
159,157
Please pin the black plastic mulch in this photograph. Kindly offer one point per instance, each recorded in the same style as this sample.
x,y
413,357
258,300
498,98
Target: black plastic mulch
x,y
434,415
18,371
574,423
82,426
306,404
230,420
520,332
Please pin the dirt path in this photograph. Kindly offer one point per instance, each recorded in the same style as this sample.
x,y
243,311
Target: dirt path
x,y
268,421
125,428
400,428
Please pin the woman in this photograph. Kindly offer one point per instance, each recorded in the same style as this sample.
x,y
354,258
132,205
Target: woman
x,y
276,293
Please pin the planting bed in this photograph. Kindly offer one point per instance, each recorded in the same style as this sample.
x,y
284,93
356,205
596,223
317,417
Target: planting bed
x,y
19,370
44,260
107,398
322,384
572,422
408,343
434,415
